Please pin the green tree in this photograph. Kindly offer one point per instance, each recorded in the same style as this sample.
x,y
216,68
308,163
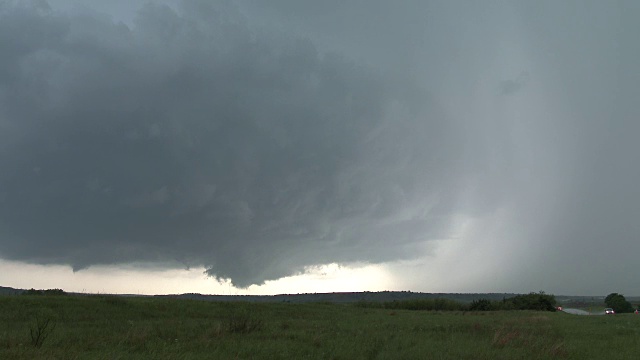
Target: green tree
x,y
532,301
618,303
610,297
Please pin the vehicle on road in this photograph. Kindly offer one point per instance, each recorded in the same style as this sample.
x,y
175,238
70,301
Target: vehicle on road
x,y
609,311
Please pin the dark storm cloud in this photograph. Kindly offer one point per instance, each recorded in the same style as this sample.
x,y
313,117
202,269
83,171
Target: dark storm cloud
x,y
256,138
188,137
558,155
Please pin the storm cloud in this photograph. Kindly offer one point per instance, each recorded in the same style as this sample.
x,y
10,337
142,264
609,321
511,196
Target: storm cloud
x,y
259,138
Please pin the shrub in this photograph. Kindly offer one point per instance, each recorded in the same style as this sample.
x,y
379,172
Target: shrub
x,y
533,301
40,329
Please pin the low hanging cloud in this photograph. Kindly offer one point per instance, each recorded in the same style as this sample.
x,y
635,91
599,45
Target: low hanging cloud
x,y
253,139
189,138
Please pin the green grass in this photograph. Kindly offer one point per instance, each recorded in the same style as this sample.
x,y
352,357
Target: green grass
x,y
102,327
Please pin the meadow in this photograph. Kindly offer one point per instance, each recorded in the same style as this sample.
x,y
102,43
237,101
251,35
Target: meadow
x,y
112,327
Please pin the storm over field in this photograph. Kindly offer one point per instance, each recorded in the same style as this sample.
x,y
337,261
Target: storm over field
x,y
453,145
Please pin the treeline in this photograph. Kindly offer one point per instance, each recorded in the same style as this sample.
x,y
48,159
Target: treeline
x,y
48,292
532,301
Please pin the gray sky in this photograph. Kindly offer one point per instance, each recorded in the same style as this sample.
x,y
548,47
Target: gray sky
x,y
489,145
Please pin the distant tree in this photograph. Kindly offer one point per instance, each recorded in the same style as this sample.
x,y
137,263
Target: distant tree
x,y
533,301
618,303
610,297
54,292
32,291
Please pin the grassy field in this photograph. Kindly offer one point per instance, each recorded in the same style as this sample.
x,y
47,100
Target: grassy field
x,y
105,327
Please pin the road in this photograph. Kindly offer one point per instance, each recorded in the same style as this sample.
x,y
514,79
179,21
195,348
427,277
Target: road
x,y
581,312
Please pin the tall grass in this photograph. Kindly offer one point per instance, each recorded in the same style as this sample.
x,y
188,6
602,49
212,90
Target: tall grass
x,y
416,304
99,327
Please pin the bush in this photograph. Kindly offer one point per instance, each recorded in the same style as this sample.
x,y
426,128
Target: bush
x,y
533,301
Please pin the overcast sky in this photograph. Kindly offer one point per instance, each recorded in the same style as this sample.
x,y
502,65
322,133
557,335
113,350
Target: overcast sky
x,y
430,146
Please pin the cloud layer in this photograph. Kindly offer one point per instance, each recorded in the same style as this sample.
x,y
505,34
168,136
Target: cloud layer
x,y
190,138
203,134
